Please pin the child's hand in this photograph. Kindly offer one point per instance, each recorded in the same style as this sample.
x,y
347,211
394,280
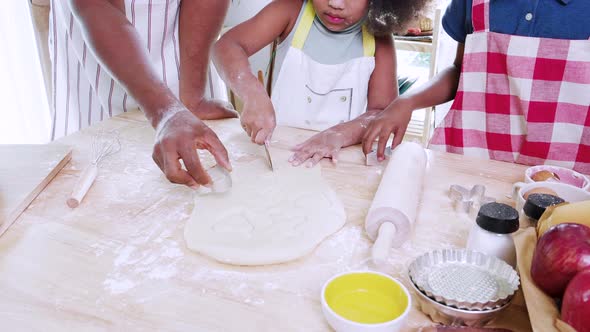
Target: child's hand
x,y
326,144
394,119
258,119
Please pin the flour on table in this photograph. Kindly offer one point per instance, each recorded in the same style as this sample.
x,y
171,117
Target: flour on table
x,y
267,217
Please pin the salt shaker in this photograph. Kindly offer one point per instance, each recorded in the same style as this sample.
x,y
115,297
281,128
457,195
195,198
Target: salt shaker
x,y
492,233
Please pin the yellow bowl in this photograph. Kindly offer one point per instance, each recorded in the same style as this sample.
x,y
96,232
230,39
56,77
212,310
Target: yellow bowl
x,y
365,301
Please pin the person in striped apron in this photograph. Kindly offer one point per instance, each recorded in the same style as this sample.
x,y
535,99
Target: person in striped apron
x,y
523,92
330,68
112,56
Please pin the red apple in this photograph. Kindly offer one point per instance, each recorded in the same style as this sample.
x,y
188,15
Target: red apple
x,y
575,309
561,252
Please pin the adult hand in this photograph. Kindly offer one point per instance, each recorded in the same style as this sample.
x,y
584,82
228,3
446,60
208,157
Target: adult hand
x,y
258,118
212,109
394,119
326,144
178,135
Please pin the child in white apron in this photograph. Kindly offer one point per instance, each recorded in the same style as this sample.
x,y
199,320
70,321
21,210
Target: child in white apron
x,y
331,72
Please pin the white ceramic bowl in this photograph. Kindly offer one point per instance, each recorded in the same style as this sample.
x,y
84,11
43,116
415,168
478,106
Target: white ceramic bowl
x,y
360,288
566,175
567,192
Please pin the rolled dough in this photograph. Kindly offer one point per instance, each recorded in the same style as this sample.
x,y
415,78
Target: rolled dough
x,y
267,217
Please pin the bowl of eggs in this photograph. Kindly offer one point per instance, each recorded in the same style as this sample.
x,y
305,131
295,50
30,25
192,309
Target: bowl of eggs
x,y
556,174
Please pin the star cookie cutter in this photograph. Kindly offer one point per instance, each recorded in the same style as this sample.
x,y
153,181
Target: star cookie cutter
x,y
469,200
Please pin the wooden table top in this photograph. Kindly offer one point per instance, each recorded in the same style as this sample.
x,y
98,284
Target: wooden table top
x,y
119,261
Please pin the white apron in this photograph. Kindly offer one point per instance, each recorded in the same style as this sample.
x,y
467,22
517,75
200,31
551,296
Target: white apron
x,y
315,96
83,92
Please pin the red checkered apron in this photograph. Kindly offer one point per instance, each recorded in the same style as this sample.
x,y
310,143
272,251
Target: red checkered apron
x,y
520,99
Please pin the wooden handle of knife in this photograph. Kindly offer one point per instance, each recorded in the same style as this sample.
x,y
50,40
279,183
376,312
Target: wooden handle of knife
x,y
82,186
261,77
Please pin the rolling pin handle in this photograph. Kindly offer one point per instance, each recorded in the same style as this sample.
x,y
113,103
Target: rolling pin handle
x,y
383,243
82,186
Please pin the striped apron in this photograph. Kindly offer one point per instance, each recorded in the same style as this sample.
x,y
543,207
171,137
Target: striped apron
x,y
520,99
83,91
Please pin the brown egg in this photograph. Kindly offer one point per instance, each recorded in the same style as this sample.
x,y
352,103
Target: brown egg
x,y
539,190
544,175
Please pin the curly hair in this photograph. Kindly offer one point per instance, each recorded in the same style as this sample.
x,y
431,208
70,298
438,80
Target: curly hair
x,y
389,16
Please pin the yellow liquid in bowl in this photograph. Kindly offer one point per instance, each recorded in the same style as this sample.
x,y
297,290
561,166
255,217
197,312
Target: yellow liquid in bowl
x,y
366,298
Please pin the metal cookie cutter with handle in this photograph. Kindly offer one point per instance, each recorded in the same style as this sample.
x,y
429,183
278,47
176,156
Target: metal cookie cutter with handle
x,y
469,200
221,181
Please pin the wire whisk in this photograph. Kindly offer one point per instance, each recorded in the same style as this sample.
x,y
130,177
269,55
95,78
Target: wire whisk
x,y
104,144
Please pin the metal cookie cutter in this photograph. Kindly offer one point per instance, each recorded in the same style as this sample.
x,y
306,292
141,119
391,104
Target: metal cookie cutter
x,y
221,181
469,200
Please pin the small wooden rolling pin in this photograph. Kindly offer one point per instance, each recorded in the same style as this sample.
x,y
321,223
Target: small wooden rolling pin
x,y
83,185
104,144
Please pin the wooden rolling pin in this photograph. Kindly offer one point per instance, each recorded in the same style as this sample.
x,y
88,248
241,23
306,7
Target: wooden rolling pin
x,y
394,207
103,145
82,186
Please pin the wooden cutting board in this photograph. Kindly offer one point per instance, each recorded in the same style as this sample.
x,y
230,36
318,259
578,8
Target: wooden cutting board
x,y
25,170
